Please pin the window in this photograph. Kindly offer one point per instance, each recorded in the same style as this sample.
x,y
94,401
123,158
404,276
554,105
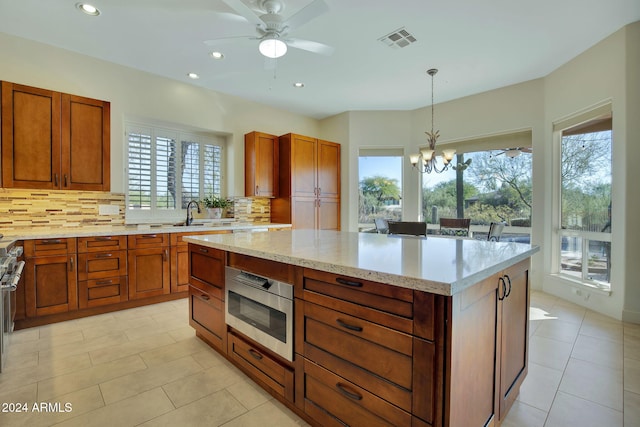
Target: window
x,y
495,187
168,168
380,185
585,202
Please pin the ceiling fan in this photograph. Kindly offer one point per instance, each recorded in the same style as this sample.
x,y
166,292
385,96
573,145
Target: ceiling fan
x,y
513,152
272,30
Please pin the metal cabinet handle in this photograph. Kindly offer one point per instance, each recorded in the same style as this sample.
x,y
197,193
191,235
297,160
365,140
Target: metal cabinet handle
x,y
55,179
206,251
204,297
148,236
71,266
257,190
508,292
348,326
349,394
255,354
348,282
105,282
66,184
504,289
103,255
51,242
166,254
104,238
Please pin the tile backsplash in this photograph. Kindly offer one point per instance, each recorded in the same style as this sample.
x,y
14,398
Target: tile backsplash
x,y
33,209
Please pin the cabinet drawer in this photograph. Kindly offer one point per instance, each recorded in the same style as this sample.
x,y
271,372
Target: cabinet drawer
x,y
102,264
386,298
261,365
380,351
333,401
152,240
101,243
45,247
206,269
206,316
97,292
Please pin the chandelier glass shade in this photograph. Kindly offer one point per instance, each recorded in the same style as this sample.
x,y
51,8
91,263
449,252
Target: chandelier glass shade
x,y
272,47
425,161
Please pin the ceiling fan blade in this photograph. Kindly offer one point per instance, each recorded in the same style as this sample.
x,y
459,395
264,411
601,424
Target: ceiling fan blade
x,y
310,46
226,40
306,14
525,149
244,11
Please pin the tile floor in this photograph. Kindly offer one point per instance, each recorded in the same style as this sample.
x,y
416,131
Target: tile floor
x,y
144,367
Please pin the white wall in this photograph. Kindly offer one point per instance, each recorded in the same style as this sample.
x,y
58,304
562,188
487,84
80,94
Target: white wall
x,y
139,94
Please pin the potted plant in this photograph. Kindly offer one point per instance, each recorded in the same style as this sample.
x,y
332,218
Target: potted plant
x,y
215,205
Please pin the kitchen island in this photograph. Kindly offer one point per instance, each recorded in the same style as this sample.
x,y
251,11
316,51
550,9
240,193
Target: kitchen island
x,y
387,330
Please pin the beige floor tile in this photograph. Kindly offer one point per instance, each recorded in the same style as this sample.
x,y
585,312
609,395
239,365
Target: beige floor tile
x,y
548,352
632,375
25,335
540,386
598,350
46,342
140,381
15,362
26,393
631,330
631,347
194,387
48,368
600,326
209,358
115,325
67,383
150,330
15,379
61,328
533,326
92,344
108,354
273,411
182,333
249,394
631,409
543,300
558,330
593,382
203,413
569,410
567,312
174,351
522,415
128,412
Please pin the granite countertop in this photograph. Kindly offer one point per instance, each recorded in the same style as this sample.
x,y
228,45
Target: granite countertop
x,y
119,230
434,264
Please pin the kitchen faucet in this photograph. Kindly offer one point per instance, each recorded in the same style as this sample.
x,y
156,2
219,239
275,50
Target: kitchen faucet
x,y
190,214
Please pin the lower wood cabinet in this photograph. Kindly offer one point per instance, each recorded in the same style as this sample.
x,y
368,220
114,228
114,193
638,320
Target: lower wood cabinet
x,y
148,272
206,316
180,259
51,285
264,367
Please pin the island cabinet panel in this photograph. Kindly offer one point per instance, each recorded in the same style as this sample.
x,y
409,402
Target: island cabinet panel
x,y
262,365
513,343
207,270
206,316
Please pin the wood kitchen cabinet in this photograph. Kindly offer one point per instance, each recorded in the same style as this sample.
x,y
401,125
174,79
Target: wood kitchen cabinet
x,y
52,140
50,276
180,259
148,265
309,183
102,270
261,159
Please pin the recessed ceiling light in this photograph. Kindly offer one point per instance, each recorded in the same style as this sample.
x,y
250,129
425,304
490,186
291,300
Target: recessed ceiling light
x,y
88,9
193,76
216,55
299,84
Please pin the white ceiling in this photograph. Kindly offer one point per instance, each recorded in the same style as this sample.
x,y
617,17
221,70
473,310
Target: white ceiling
x,y
476,45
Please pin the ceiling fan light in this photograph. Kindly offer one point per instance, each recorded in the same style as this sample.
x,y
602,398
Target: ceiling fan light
x,y
512,153
272,48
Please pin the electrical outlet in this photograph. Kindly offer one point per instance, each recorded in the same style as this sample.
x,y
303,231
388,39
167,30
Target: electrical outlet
x,y
249,208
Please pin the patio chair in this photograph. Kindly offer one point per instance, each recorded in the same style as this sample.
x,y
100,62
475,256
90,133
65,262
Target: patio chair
x,y
408,228
455,226
382,226
495,231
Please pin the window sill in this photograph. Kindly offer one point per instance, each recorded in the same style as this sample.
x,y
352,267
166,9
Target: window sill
x,y
580,285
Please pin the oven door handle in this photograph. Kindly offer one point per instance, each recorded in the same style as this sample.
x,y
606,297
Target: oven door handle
x,y
14,278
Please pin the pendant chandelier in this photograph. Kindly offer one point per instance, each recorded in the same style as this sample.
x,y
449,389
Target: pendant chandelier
x,y
425,160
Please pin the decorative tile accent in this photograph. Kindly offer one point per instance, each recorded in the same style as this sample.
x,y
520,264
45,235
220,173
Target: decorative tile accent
x,y
39,209
251,209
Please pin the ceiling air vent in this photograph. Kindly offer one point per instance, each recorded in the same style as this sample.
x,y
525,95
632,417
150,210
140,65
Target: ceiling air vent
x,y
398,38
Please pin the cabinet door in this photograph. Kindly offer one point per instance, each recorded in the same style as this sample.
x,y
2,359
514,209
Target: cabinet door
x,y
30,137
328,169
101,265
303,166
261,164
303,212
86,152
206,316
179,269
514,333
98,292
328,214
50,285
148,272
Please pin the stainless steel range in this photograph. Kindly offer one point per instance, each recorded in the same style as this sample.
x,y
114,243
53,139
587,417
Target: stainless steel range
x,y
10,270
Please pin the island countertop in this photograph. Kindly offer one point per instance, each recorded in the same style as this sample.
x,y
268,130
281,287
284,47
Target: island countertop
x,y
439,265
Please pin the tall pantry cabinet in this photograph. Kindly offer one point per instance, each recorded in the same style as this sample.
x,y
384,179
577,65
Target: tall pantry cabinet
x,y
309,183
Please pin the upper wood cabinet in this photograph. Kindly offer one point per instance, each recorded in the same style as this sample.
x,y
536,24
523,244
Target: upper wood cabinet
x,y
52,140
260,164
309,183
